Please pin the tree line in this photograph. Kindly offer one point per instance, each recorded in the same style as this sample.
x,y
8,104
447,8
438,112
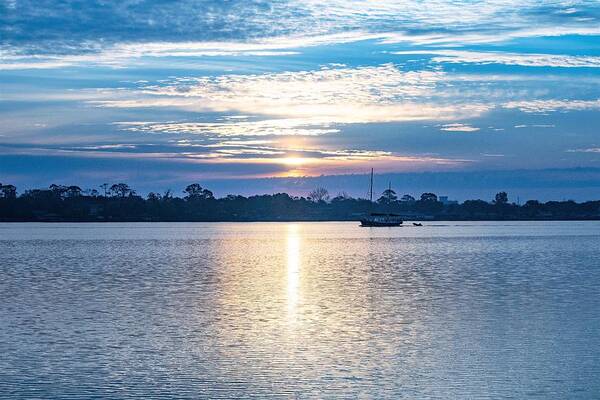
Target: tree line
x,y
120,202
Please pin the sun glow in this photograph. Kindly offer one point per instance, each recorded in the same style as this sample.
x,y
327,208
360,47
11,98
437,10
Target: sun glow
x,y
294,161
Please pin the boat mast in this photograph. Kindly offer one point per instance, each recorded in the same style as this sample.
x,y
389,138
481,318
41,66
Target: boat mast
x,y
371,187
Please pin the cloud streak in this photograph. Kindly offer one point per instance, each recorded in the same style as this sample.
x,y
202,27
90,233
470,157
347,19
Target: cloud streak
x,y
270,127
521,59
458,128
288,160
553,105
595,150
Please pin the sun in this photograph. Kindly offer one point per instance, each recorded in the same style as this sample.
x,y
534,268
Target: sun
x,y
294,161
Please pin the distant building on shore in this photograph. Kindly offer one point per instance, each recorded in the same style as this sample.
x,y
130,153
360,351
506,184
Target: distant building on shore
x,y
444,200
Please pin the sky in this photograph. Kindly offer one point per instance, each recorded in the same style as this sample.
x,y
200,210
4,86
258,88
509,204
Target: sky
x,y
252,96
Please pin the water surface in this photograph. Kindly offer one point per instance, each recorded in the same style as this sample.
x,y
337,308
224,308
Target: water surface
x,y
305,310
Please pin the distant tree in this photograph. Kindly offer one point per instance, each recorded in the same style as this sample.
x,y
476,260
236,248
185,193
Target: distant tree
x,y
532,203
36,194
232,197
92,192
407,198
319,194
69,203
192,191
121,190
474,207
501,198
387,197
429,197
59,191
153,196
342,196
73,191
104,187
8,191
197,192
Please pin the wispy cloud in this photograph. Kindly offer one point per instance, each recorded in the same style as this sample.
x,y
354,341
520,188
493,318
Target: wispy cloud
x,y
458,128
494,34
246,155
113,31
551,105
492,155
269,127
128,55
587,150
320,97
495,57
535,126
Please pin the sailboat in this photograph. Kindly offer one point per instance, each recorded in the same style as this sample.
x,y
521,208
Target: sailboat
x,y
379,219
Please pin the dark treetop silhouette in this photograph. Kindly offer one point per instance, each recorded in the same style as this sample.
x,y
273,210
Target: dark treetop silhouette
x,y
119,202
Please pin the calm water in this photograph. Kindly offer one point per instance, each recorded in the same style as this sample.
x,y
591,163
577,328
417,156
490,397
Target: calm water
x,y
307,310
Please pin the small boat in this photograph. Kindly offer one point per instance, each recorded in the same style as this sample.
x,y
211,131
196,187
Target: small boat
x,y
417,224
379,219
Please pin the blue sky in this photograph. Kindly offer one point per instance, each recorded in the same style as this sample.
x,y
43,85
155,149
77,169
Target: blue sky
x,y
247,96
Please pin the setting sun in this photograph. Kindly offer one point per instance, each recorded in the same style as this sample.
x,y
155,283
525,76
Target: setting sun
x,y
295,161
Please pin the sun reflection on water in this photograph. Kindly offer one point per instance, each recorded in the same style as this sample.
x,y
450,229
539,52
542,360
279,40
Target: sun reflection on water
x,y
293,268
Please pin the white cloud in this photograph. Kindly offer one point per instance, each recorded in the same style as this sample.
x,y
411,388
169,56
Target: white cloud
x,y
116,146
489,35
588,150
122,55
521,59
270,127
458,128
425,14
492,155
545,106
28,63
328,96
535,126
